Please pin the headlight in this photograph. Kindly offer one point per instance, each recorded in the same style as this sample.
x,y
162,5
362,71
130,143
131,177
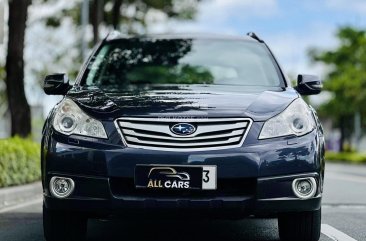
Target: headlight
x,y
70,119
296,119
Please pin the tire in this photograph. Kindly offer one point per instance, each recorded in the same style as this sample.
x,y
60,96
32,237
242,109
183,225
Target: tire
x,y
301,226
62,226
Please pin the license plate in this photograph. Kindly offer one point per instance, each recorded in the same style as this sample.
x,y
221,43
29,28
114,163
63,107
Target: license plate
x,y
175,177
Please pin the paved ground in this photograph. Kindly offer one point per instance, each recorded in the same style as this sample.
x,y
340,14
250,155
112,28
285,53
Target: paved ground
x,y
344,219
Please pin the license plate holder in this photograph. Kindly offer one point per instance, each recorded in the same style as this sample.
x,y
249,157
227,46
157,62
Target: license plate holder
x,y
176,177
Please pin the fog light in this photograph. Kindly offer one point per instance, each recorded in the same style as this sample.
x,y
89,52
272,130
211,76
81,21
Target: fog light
x,y
61,187
304,188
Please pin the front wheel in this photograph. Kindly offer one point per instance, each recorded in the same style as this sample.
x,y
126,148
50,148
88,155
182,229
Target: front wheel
x,y
301,226
62,226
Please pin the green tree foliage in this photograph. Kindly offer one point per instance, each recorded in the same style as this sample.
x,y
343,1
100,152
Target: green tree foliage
x,y
128,16
130,11
346,79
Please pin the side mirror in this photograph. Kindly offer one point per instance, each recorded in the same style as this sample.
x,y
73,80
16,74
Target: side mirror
x,y
56,84
308,84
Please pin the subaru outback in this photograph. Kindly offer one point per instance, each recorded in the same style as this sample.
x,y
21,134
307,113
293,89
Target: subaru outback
x,y
182,126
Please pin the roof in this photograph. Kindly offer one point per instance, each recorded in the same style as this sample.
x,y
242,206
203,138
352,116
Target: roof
x,y
117,35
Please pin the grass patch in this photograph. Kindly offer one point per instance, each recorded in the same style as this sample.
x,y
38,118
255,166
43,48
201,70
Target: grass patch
x,y
19,161
348,157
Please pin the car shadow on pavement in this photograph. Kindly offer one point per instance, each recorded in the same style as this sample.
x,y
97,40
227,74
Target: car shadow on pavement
x,y
27,226
168,230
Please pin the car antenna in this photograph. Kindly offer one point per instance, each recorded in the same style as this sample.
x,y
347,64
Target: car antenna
x,y
254,36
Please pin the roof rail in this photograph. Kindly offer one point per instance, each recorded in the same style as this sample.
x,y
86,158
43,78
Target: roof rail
x,y
254,36
114,34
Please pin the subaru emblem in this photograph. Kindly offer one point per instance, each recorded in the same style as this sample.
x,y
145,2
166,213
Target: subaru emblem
x,y
183,129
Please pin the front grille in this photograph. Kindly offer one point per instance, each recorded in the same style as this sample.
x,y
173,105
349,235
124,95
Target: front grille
x,y
210,134
238,187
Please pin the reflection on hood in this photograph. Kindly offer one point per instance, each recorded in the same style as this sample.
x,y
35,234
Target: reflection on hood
x,y
258,103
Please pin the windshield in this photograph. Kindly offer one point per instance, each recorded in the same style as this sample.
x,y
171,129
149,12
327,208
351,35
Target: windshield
x,y
182,61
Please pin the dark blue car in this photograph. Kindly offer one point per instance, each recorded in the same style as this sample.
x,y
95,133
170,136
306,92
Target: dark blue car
x,y
182,126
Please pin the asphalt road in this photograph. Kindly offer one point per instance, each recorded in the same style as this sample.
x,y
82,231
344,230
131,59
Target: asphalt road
x,y
344,219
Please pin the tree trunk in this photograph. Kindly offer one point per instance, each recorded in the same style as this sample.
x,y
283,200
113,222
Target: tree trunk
x,y
18,105
97,18
116,13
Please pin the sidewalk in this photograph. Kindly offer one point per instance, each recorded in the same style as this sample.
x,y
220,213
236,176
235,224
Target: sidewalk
x,y
10,196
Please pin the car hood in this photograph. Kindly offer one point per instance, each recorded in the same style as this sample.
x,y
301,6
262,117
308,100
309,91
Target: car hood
x,y
258,103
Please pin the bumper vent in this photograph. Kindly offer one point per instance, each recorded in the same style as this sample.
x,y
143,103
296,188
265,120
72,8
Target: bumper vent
x,y
210,133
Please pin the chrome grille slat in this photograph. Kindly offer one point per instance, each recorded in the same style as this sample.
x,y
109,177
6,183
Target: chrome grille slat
x,y
129,132
158,143
176,120
210,134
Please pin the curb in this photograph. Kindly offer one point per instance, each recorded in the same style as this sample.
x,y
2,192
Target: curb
x,y
10,196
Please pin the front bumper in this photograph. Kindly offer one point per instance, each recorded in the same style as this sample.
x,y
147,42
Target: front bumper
x,y
95,197
262,174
